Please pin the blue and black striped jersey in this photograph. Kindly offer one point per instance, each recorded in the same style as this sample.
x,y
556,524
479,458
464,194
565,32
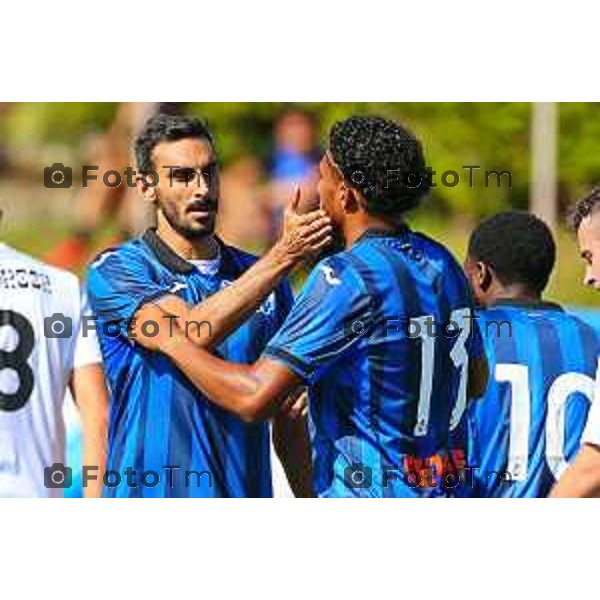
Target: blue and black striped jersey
x,y
528,425
382,335
158,420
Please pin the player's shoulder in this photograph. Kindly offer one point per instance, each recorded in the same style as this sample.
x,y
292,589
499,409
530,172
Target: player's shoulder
x,y
543,315
339,270
19,260
240,258
581,323
434,249
132,251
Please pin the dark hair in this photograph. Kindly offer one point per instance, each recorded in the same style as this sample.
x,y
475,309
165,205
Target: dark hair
x,y
518,246
382,160
584,208
166,128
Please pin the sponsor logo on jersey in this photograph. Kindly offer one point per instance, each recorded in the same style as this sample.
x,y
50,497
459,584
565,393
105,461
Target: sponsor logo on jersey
x,y
330,277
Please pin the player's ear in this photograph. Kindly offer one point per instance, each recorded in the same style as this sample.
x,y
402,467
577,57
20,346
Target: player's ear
x,y
146,188
485,276
350,200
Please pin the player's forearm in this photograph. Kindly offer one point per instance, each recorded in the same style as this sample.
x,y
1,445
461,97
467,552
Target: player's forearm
x,y
94,455
225,311
235,387
91,396
582,478
290,438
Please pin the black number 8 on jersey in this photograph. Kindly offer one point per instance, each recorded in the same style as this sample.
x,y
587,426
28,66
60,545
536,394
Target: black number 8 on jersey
x,y
16,360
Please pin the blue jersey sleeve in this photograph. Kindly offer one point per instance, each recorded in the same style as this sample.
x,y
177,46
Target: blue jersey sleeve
x,y
119,282
285,301
319,329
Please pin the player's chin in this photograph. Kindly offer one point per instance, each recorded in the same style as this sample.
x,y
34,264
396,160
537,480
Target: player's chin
x,y
200,227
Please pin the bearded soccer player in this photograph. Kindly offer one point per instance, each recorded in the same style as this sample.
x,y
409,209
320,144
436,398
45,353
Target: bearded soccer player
x,y
165,439
582,479
43,352
383,400
528,425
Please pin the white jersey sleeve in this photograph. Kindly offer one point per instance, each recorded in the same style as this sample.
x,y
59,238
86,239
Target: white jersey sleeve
x,y
591,435
87,349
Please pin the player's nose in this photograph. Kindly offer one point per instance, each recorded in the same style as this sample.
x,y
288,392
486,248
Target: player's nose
x,y
201,186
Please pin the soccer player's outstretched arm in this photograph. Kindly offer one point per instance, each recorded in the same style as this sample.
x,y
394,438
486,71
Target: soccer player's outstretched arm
x,y
303,236
312,337
253,392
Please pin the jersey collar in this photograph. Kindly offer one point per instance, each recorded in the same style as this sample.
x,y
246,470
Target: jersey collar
x,y
380,233
165,255
171,260
534,304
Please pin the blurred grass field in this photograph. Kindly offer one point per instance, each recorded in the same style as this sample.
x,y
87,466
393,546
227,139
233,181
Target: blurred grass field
x,y
565,286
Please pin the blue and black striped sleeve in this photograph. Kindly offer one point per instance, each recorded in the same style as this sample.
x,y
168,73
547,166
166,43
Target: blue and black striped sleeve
x,y
119,282
318,330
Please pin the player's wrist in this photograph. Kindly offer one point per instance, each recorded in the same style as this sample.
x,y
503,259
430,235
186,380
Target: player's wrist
x,y
174,344
281,258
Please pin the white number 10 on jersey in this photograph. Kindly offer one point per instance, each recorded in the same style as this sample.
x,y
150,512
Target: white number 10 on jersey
x,y
520,416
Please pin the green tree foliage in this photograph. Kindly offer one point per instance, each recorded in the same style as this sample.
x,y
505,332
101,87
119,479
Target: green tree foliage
x,y
494,136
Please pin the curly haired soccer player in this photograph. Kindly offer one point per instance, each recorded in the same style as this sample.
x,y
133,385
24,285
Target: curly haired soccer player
x,y
383,400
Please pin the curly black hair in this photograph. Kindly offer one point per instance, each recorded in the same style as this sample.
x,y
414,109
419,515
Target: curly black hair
x,y
584,208
383,161
518,246
166,128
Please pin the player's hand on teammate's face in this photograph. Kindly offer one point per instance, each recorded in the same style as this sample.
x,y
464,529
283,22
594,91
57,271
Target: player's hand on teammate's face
x,y
155,329
304,236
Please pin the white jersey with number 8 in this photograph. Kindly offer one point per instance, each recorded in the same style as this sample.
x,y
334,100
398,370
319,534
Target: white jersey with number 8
x,y
42,340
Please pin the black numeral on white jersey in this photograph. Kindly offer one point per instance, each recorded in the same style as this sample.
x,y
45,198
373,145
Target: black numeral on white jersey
x,y
16,360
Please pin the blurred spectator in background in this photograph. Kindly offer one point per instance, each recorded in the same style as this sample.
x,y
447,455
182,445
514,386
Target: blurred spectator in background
x,y
99,203
294,161
251,210
254,197
244,219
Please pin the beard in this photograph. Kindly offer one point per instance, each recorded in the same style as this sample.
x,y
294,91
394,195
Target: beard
x,y
185,225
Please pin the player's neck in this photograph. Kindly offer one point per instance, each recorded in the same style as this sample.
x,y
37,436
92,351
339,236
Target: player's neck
x,y
355,228
204,248
516,293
